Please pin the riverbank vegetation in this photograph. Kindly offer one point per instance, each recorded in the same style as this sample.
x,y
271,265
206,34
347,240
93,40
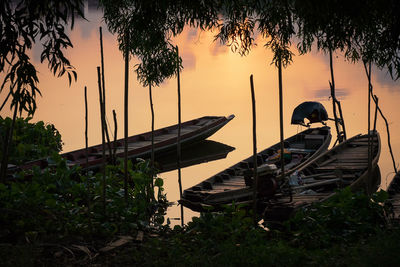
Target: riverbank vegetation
x,y
350,230
56,217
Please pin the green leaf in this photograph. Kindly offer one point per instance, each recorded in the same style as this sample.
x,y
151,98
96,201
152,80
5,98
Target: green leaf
x,y
159,182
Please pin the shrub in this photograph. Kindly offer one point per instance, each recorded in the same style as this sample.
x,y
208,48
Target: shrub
x,y
30,140
61,202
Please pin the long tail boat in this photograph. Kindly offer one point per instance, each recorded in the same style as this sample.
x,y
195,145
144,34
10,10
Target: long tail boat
x,y
139,146
235,184
344,165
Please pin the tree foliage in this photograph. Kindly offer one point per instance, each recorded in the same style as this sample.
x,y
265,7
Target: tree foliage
x,y
23,23
362,30
150,26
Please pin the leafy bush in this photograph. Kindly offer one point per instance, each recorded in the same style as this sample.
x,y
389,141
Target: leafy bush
x,y
60,203
332,233
229,238
30,140
346,217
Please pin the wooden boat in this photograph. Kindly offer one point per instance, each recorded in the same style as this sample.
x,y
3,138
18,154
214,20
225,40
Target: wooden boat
x,y
234,183
139,146
344,165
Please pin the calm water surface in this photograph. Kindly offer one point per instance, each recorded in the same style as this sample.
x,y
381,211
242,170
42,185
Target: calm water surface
x,y
214,81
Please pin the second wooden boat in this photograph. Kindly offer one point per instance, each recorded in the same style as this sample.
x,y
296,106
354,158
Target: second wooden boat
x,y
234,183
344,165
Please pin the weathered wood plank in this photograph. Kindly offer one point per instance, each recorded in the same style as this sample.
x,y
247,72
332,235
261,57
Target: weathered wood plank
x,y
326,182
328,168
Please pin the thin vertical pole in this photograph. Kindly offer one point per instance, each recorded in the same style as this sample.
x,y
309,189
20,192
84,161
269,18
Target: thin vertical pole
x,y
376,111
115,134
281,118
152,127
103,147
332,87
102,64
341,120
179,132
6,146
126,116
387,131
104,93
86,129
369,128
255,174
152,171
89,195
5,100
375,98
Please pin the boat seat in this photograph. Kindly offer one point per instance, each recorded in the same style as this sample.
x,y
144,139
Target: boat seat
x,y
70,157
143,137
207,185
298,145
333,167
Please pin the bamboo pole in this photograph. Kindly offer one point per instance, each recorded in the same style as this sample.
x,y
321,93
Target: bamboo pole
x,y
103,147
6,146
255,174
126,116
179,133
115,135
332,87
281,118
89,195
152,141
5,100
369,128
341,119
86,129
152,128
104,94
388,133
375,99
9,94
376,112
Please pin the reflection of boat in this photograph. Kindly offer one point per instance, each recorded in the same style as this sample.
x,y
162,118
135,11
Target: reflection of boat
x,y
344,165
165,139
193,154
233,184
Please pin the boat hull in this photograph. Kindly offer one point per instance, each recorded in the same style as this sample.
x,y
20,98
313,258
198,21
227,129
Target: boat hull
x,y
231,184
345,165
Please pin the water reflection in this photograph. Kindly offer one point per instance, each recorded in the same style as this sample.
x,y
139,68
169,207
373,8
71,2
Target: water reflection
x,y
198,153
324,94
384,79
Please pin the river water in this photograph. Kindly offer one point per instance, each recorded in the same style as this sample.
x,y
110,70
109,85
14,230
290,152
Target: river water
x,y
215,81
